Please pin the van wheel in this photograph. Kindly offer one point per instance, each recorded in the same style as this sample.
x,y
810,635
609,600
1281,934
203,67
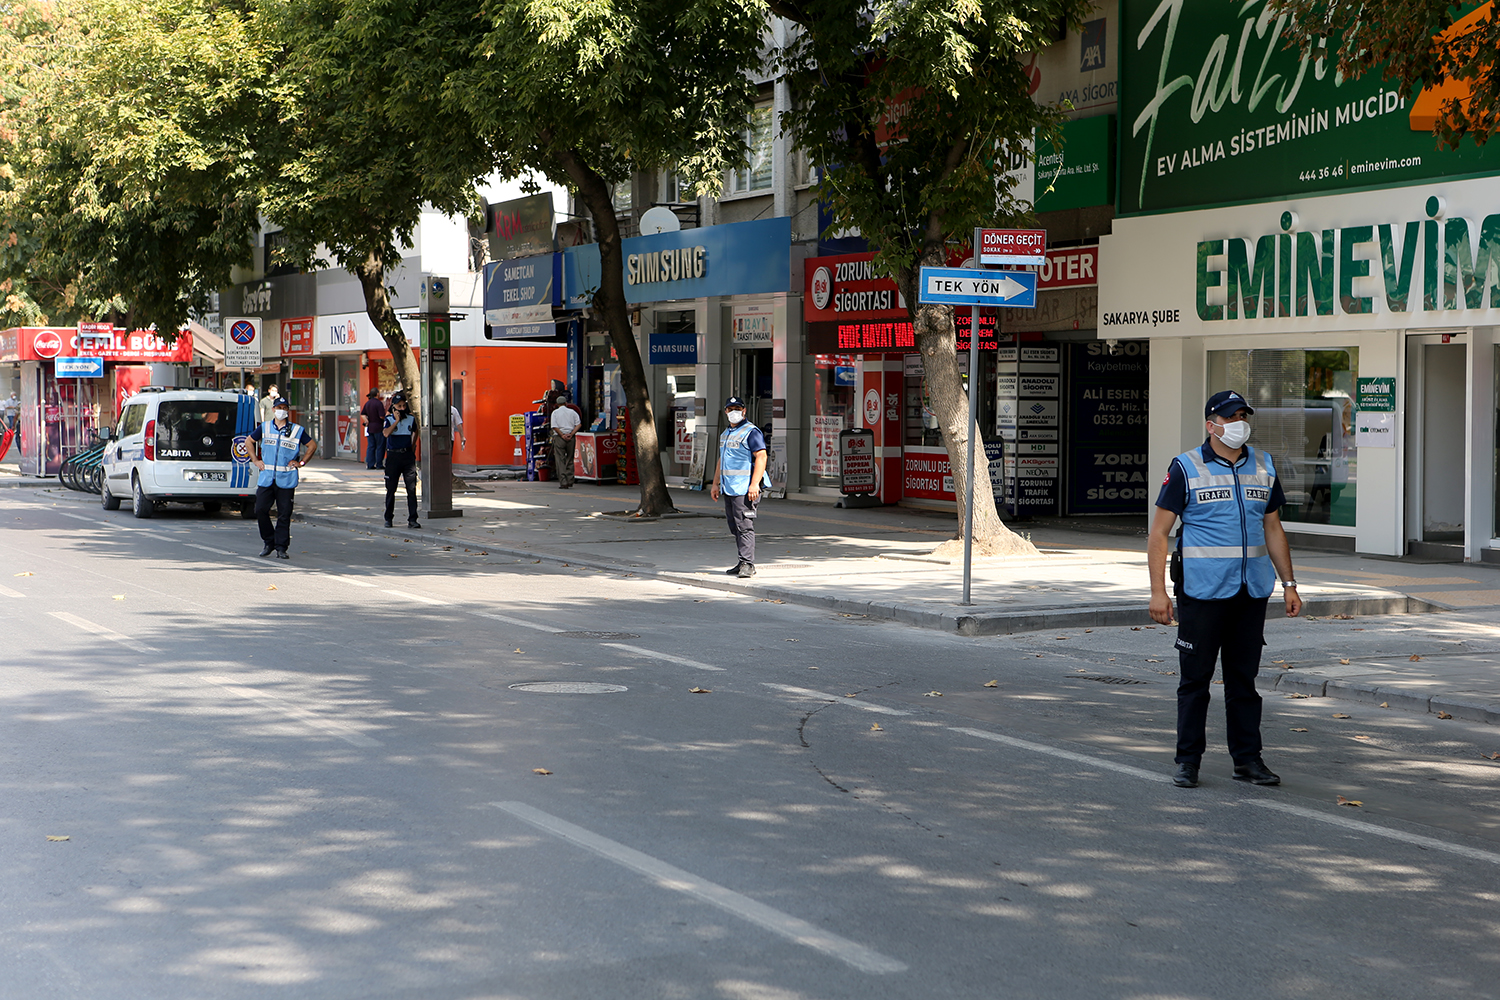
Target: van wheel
x,y
108,500
247,511
140,504
212,506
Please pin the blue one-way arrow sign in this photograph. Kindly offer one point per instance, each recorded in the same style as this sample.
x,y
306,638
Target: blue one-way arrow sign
x,y
79,368
963,286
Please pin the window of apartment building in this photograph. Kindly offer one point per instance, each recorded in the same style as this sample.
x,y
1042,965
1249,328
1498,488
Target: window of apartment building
x,y
1304,416
757,175
620,195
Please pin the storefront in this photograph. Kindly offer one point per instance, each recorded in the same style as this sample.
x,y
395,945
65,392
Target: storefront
x,y
61,414
1352,296
349,359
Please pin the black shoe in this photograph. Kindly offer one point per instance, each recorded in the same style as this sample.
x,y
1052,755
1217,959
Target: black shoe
x,y
267,550
413,523
389,523
281,554
1256,772
745,570
734,570
1186,776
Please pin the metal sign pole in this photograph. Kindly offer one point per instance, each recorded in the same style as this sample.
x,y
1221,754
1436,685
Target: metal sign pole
x,y
973,427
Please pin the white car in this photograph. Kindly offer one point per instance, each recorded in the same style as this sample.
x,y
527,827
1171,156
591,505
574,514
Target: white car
x,y
189,446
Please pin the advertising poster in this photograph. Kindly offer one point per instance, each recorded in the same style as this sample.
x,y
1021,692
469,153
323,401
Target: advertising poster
x,y
1107,406
823,445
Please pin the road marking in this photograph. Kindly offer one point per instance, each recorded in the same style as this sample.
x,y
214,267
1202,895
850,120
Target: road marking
x,y
653,654
516,621
316,721
414,597
671,877
1080,758
7,592
210,548
79,517
1360,826
102,632
851,702
349,579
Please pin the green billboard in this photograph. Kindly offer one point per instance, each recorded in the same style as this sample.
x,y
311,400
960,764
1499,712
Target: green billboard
x,y
1078,171
1215,108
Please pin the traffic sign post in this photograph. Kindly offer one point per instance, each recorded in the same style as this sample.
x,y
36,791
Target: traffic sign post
x,y
242,344
79,367
962,286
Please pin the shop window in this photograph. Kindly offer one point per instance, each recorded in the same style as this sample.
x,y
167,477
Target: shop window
x,y
834,398
757,175
1304,416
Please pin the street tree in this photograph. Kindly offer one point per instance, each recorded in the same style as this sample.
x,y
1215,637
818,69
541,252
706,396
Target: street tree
x,y
904,104
588,92
125,158
1444,57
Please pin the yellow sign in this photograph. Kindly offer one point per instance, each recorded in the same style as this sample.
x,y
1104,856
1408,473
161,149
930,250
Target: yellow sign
x,y
517,424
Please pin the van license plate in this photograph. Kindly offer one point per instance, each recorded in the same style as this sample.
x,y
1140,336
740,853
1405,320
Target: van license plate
x,y
209,477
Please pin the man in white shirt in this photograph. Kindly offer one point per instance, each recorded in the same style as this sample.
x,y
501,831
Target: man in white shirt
x,y
565,421
456,421
9,409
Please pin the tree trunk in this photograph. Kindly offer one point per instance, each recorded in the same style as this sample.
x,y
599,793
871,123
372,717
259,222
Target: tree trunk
x,y
936,339
371,276
610,301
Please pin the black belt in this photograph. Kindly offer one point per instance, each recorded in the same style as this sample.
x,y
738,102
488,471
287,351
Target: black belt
x,y
396,451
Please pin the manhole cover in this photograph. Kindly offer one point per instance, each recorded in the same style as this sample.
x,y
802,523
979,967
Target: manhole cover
x,y
1115,680
428,642
599,635
568,687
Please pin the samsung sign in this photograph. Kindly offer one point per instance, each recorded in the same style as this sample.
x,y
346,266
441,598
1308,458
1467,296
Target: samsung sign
x,y
674,349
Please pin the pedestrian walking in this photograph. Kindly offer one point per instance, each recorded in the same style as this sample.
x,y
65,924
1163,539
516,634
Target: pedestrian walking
x,y
268,402
372,419
565,420
402,450
1229,552
279,448
739,478
9,410
456,421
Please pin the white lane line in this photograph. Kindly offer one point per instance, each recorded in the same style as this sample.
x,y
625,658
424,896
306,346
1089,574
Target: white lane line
x,y
210,548
825,696
671,877
102,632
414,597
1079,758
78,517
349,579
7,592
1360,826
654,655
523,623
330,726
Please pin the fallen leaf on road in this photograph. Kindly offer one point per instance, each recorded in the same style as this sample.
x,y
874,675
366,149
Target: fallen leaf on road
x,y
1111,659
520,650
484,553
119,597
540,770
851,695
991,684
53,837
1385,704
1299,730
875,728
1135,628
1444,715
449,548
700,690
1059,637
1491,756
1298,696
1349,802
1151,626
793,640
1341,715
28,572
271,587
703,601
1218,682
1361,737
393,555
1278,661
1414,657
1344,617
1356,630
1344,661
1149,660
933,694
1088,630
812,668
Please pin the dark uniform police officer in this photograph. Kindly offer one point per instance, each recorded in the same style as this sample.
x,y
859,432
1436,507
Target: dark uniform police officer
x,y
739,479
278,448
1231,548
401,459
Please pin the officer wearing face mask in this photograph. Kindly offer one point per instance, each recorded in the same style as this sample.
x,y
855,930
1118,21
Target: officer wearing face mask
x,y
739,480
1229,553
278,448
402,453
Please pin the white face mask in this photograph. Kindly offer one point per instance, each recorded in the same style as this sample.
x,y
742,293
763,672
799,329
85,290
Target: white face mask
x,y
735,417
1235,433
281,414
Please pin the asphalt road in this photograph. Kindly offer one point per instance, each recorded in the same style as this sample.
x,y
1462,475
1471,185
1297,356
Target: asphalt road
x,y
318,779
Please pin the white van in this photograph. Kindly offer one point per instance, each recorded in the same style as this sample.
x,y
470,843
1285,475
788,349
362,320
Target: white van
x,y
188,446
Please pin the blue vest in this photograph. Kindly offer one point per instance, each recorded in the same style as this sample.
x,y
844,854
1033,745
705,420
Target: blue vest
x,y
1223,537
277,449
737,461
400,439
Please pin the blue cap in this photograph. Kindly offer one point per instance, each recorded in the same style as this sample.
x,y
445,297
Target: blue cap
x,y
280,401
1224,404
735,403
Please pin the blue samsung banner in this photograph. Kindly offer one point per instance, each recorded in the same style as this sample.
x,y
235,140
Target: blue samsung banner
x,y
674,349
519,295
739,258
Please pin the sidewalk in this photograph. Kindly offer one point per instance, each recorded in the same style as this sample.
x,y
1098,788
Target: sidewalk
x,y
876,562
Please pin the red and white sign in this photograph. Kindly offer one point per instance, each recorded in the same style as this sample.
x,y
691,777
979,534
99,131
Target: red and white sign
x,y
845,288
1012,246
28,343
857,461
47,343
926,474
1069,267
296,336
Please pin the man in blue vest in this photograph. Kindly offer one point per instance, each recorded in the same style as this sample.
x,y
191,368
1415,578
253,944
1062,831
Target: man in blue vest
x,y
402,452
278,448
740,476
1230,550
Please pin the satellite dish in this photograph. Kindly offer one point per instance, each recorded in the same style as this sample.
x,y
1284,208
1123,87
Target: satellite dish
x,y
659,220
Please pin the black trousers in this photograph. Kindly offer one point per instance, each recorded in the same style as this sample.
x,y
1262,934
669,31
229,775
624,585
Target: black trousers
x,y
740,512
399,466
1235,628
280,497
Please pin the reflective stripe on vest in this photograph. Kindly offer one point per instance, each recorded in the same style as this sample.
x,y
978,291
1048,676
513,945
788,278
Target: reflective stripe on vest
x,y
736,460
277,449
1223,526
